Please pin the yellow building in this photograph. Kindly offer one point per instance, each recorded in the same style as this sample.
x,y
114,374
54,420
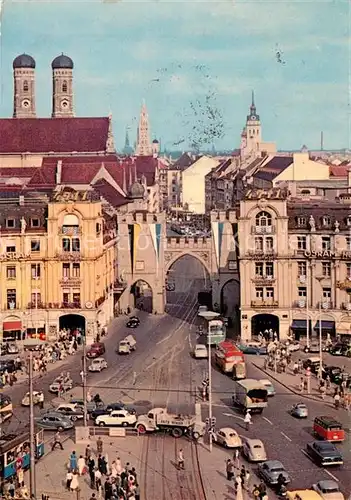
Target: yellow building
x,y
57,261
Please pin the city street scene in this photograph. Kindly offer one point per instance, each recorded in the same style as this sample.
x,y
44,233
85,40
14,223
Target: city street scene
x,y
175,261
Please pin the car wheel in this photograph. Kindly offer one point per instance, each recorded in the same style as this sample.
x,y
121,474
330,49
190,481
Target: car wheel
x,y
124,424
141,429
60,428
101,424
196,435
73,418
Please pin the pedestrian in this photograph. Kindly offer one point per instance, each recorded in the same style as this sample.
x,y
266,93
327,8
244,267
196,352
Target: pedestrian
x,y
57,441
75,481
181,459
81,465
98,477
69,477
247,420
99,445
11,489
243,475
337,401
236,459
41,400
247,480
73,461
87,453
229,466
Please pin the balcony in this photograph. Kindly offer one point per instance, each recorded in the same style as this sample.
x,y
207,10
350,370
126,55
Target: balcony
x,y
301,303
70,231
11,305
36,305
262,254
70,305
263,280
264,304
70,281
72,256
346,306
262,229
325,304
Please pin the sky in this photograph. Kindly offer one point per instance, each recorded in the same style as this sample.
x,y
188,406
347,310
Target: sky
x,y
195,63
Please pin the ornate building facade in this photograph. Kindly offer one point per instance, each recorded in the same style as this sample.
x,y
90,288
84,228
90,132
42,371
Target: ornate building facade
x,y
295,264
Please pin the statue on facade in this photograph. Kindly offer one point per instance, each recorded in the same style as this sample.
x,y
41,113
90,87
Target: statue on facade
x,y
312,223
337,226
23,225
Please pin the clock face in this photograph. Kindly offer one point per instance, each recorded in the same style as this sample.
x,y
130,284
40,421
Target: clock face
x,y
64,104
25,103
253,117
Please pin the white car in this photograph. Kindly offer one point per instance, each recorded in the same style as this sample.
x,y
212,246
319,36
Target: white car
x,y
228,438
268,386
200,351
36,398
253,450
328,490
97,365
116,418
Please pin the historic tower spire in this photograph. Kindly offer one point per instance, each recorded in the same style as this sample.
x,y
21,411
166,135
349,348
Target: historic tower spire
x,y
251,136
143,147
24,87
62,87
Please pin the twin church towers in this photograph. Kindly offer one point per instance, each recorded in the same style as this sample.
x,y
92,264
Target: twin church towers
x,y
24,87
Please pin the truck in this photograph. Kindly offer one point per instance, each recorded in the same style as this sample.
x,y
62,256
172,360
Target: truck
x,y
250,394
158,419
127,345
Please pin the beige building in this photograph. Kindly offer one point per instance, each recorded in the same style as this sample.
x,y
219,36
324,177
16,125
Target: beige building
x,y
57,264
194,184
295,264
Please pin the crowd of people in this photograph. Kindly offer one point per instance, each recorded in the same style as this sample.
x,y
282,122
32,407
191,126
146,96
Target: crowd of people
x,y
242,479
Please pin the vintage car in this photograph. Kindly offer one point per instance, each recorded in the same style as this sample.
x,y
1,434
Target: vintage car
x,y
328,490
97,365
133,322
95,350
63,380
116,418
299,410
324,453
228,437
74,412
36,398
54,421
270,471
200,351
253,450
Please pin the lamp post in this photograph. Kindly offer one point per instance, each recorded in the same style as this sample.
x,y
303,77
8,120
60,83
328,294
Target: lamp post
x,y
307,307
320,278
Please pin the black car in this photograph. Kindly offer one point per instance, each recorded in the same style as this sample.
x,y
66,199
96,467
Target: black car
x,y
105,410
340,350
7,364
336,374
324,453
313,363
133,322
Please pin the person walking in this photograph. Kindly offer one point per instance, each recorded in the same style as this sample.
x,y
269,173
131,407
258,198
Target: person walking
x,y
247,420
73,461
81,465
75,481
87,453
229,466
99,446
181,459
337,401
69,477
98,477
57,441
41,400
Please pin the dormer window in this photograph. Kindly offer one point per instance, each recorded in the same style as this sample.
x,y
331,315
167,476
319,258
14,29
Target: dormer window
x,y
348,221
326,220
305,192
35,222
10,223
301,221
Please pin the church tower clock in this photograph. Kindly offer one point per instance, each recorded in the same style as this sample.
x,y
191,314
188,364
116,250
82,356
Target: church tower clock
x,y
62,87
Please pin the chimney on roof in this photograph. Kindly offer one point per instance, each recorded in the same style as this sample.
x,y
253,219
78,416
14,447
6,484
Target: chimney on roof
x,y
21,200
59,172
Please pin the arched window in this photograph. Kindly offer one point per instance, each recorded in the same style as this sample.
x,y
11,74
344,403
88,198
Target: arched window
x,y
70,225
64,86
25,86
326,220
263,219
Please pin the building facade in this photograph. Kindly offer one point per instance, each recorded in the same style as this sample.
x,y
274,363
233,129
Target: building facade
x,y
57,264
295,264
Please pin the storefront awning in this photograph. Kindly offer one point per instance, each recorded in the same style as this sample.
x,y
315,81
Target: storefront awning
x,y
299,324
326,325
343,328
11,325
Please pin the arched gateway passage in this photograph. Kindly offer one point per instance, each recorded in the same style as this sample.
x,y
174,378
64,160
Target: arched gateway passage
x,y
265,323
72,322
185,278
142,292
230,301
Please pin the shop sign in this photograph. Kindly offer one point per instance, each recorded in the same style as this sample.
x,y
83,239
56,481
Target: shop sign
x,y
327,254
14,256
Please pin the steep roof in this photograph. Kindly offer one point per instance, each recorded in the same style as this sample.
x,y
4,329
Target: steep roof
x,y
110,194
273,168
183,162
339,170
53,135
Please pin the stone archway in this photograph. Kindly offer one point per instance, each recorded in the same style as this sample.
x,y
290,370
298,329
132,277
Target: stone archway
x,y
260,323
143,296
72,322
230,301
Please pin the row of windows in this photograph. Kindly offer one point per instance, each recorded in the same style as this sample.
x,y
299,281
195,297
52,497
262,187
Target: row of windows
x,y
68,245
64,86
67,298
326,293
11,223
265,244
265,219
267,293
68,271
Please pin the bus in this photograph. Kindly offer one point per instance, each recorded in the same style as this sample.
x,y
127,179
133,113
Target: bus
x,y
230,359
216,331
6,408
15,453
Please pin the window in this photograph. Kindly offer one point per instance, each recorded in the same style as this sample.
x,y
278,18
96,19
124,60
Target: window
x,y
35,222
11,272
25,86
301,242
348,242
76,270
259,269
10,223
65,270
269,269
302,292
35,298
75,245
259,293
263,219
348,269
301,221
64,86
66,245
98,228
11,298
270,293
326,220
348,220
35,271
327,294
302,268
326,269
259,244
326,243
35,246
65,297
76,298
269,243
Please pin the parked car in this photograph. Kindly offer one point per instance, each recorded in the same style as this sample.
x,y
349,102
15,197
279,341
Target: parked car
x,y
253,349
97,349
313,348
299,410
74,412
133,322
228,437
254,450
293,346
324,453
340,350
64,381
106,410
7,364
116,418
200,351
54,421
97,365
328,490
12,348
36,398
270,470
91,406
269,386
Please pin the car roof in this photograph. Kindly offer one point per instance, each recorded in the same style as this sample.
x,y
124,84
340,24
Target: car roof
x,y
70,405
253,442
100,358
274,463
314,359
200,346
328,420
327,484
228,430
265,381
324,444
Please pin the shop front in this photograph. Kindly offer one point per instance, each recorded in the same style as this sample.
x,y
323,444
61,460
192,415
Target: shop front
x,y
12,329
300,328
328,328
36,333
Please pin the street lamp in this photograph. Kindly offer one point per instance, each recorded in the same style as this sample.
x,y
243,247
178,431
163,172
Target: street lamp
x,y
320,278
